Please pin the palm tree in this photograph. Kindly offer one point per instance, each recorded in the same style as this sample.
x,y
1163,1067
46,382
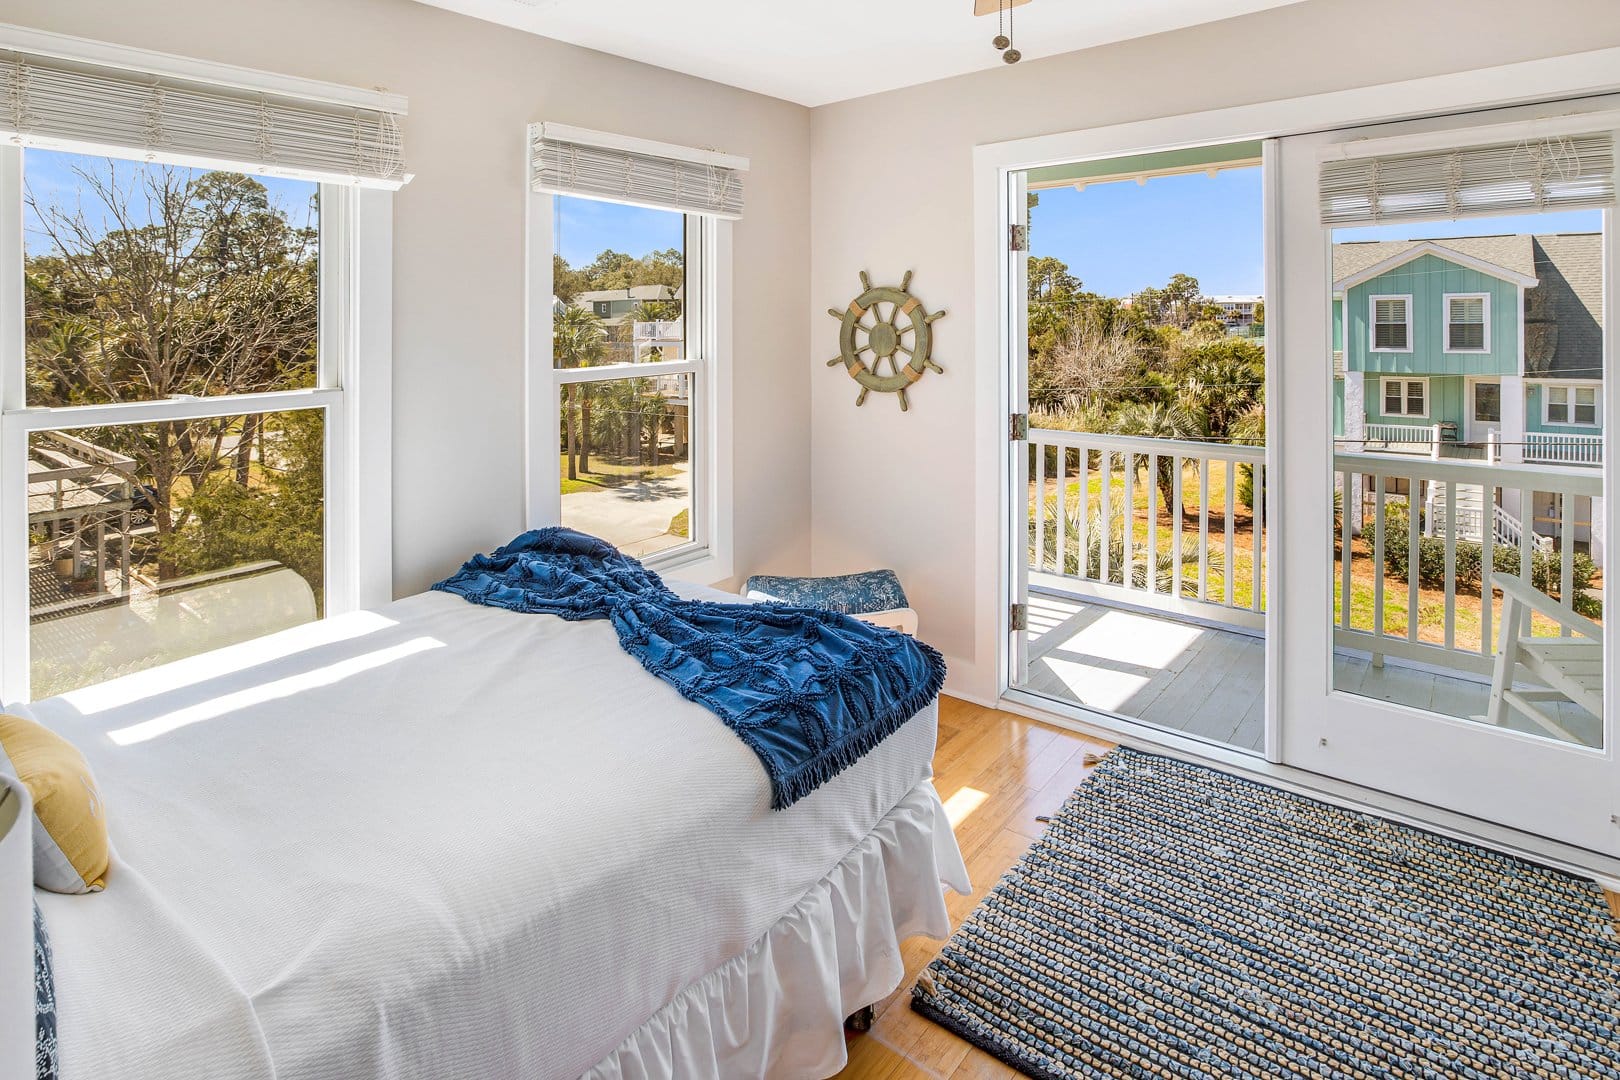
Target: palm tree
x,y
1158,421
577,340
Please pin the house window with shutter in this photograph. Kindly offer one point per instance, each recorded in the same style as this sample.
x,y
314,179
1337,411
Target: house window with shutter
x,y
1468,322
1391,324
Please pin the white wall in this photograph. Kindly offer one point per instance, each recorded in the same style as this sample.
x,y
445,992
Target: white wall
x,y
458,241
892,191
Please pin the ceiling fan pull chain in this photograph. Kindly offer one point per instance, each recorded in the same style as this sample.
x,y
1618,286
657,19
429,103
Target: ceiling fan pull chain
x,y
1001,40
1012,55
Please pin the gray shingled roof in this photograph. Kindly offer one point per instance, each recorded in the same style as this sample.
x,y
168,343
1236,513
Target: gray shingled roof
x,y
1563,315
635,292
1563,325
1509,252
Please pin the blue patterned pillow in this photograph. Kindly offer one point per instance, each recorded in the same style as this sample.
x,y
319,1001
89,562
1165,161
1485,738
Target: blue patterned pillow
x,y
45,1058
852,594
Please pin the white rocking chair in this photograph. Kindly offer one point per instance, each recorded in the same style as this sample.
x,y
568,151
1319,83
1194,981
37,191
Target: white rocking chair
x,y
1571,667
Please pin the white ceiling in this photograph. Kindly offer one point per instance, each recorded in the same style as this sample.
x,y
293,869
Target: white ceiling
x,y
818,51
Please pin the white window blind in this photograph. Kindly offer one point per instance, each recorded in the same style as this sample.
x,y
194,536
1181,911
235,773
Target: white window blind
x,y
1389,323
1574,172
71,105
596,165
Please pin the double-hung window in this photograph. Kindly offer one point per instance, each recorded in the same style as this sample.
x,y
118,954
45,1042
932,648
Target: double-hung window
x,y
193,368
1468,322
1391,323
1406,397
1571,404
629,248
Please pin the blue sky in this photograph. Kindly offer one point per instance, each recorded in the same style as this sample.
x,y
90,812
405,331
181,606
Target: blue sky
x,y
51,179
1118,238
585,228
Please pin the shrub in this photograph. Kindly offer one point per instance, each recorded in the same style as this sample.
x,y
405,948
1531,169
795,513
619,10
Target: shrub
x,y
1546,567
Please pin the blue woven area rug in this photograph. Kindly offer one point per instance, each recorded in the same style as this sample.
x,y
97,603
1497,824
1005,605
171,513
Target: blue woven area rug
x,y
1176,921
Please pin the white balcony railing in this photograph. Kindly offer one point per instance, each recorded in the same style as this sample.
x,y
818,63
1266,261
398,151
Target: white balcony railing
x,y
1561,449
1158,523
1180,527
1404,438
1429,630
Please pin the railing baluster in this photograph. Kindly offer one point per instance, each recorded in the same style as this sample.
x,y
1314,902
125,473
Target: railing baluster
x,y
1487,567
1257,576
1414,557
1228,574
1128,519
1105,466
1378,557
1062,508
1153,524
1346,537
1566,558
1082,539
1203,529
1451,567
1040,504
1527,533
1177,464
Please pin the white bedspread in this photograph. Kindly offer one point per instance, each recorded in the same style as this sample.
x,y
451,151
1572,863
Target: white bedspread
x,y
438,840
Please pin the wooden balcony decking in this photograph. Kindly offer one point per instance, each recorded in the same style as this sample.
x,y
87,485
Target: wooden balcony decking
x,y
1210,682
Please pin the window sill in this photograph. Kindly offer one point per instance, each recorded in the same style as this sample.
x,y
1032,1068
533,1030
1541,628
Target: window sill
x,y
700,566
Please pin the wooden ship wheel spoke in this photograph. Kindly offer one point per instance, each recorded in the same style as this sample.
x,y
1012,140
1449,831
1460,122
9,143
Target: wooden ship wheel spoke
x,y
885,339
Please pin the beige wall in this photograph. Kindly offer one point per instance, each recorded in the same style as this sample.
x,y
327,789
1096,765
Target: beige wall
x,y
897,490
458,241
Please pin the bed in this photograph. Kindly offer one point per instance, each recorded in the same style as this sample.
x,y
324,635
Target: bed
x,y
441,840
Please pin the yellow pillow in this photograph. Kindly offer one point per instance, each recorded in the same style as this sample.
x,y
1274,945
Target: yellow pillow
x,y
70,829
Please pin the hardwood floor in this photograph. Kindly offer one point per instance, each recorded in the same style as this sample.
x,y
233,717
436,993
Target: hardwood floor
x,y
995,772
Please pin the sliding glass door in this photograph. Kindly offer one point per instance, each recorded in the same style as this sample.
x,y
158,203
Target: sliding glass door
x,y
1446,494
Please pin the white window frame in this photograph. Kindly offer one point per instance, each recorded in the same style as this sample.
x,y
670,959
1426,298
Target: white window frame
x,y
1445,312
707,556
1372,321
353,388
1406,382
1570,389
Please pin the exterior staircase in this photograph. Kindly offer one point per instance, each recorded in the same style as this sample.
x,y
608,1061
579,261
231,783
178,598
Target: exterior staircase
x,y
1471,511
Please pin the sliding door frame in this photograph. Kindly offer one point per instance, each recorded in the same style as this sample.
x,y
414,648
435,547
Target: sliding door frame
x,y
1579,75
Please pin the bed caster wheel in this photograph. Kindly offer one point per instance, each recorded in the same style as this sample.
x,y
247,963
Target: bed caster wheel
x,y
860,1021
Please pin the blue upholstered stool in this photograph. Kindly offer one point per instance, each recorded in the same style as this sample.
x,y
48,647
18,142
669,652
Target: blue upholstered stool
x,y
875,596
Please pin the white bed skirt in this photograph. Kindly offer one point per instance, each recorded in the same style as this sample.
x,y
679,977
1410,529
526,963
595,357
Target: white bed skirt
x,y
777,1009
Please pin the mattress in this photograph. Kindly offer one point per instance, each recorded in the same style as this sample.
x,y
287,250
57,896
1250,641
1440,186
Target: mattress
x,y
430,840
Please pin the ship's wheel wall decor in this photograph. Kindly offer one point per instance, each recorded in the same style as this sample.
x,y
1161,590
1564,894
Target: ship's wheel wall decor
x,y
878,327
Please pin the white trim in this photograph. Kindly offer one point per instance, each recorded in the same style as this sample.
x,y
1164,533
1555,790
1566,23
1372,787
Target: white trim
x,y
608,140
1546,79
1406,381
1439,251
353,388
707,557
1572,387
1372,322
1446,321
108,54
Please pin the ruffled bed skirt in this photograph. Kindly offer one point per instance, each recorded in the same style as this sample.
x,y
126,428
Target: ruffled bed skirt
x,y
777,1009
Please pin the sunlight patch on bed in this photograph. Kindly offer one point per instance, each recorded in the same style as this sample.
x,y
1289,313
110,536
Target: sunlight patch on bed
x,y
193,670
270,691
964,802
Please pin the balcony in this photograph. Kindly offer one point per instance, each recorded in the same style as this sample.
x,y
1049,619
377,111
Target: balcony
x,y
1146,569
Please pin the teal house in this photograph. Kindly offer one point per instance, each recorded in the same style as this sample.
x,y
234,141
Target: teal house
x,y
1484,347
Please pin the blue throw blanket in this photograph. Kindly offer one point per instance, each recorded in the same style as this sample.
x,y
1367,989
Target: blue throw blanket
x,y
807,690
